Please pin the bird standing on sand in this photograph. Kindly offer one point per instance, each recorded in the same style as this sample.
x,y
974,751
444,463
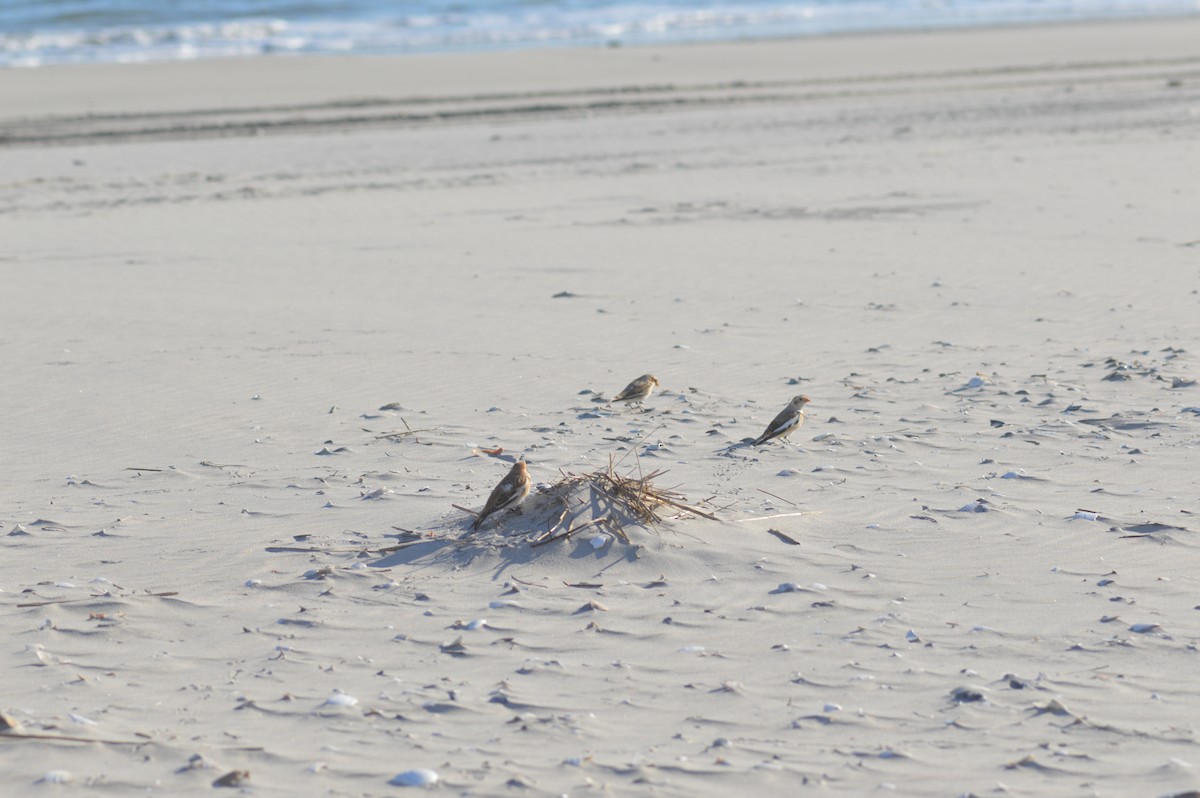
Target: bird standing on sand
x,y
637,390
511,491
787,422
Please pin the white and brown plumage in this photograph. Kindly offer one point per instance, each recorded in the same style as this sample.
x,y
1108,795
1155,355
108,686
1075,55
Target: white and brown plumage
x,y
511,491
637,390
787,422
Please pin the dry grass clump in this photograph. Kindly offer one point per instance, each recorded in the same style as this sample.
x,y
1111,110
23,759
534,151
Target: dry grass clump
x,y
611,500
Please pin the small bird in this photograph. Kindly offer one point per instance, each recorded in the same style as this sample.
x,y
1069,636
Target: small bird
x,y
511,491
787,422
637,390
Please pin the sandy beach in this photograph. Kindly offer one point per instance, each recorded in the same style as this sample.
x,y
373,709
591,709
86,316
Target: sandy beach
x,y
267,322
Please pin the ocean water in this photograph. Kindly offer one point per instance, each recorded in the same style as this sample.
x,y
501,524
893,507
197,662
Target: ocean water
x,y
38,32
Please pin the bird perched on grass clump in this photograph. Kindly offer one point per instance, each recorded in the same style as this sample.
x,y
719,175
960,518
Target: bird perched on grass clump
x,y
511,491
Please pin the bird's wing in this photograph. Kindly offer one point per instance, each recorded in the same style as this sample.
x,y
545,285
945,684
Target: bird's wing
x,y
786,420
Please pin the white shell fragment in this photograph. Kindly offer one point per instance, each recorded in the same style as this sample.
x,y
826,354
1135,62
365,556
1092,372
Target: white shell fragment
x,y
56,777
912,636
340,700
1084,515
419,777
1145,628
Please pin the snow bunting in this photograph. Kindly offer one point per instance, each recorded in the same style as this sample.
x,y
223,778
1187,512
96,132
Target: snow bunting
x,y
637,390
511,491
787,422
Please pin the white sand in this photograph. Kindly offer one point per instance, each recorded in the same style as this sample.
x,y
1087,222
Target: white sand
x,y
193,315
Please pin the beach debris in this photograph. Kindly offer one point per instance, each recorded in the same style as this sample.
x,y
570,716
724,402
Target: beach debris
x,y
615,501
967,695
912,636
56,777
788,539
1145,628
9,724
456,647
1085,515
234,778
1053,707
340,699
977,506
978,381
419,777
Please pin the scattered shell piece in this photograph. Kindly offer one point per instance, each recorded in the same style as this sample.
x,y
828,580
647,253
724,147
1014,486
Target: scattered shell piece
x,y
476,624
912,636
420,777
832,708
1145,628
967,695
600,541
340,700
253,583
234,778
692,649
196,762
500,604
56,777
455,647
1085,515
977,506
1052,707
81,720
9,723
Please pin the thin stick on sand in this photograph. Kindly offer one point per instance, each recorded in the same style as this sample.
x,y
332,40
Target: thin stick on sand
x,y
780,515
542,541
